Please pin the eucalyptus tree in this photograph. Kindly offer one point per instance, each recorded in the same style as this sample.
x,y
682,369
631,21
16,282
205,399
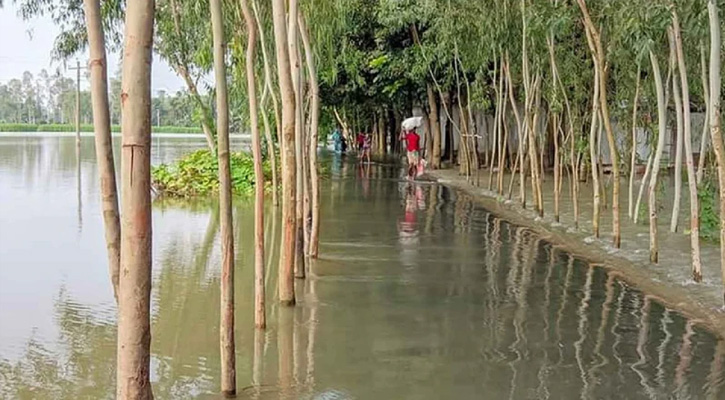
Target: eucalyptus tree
x,y
296,73
104,143
187,50
226,328
260,319
714,120
267,92
287,139
314,119
85,24
691,175
599,55
134,300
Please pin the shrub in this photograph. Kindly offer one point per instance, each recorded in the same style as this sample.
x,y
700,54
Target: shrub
x,y
196,175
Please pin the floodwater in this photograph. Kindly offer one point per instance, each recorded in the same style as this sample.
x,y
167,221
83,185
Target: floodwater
x,y
419,294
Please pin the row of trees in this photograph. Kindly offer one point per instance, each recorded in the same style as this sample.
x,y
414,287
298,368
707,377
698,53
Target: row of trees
x,y
215,43
573,87
51,99
556,76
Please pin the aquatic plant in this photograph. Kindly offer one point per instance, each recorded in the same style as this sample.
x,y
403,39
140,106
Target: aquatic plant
x,y
196,175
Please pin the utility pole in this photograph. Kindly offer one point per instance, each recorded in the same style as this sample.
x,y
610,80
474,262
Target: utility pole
x,y
78,102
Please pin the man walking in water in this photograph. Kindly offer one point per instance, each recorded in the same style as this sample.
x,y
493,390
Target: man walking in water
x,y
412,141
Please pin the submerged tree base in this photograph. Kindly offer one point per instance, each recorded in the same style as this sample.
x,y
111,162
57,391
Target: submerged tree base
x,y
196,175
670,281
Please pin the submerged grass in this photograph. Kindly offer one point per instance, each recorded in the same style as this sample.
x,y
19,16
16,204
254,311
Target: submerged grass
x,y
196,175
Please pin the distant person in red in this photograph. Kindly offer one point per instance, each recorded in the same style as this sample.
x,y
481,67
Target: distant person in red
x,y
360,142
412,141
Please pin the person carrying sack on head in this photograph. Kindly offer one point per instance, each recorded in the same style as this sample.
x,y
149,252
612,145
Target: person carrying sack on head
x,y
412,142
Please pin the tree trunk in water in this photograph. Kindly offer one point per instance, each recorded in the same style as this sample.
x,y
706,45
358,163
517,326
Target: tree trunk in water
x,y
557,176
314,126
674,220
226,328
706,122
260,318
594,155
104,143
499,140
381,134
613,153
715,134
662,118
520,133
530,127
633,159
642,184
594,40
691,176
134,300
296,71
289,230
503,146
495,146
271,153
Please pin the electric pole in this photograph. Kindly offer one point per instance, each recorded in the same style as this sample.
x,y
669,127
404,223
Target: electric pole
x,y
78,102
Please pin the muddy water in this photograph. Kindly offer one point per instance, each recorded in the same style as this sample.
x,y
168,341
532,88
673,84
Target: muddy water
x,y
418,294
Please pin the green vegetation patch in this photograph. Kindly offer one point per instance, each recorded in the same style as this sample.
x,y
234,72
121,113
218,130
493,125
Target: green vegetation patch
x,y
197,174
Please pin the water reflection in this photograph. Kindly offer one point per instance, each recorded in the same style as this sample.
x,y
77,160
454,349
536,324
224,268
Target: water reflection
x,y
419,293
79,186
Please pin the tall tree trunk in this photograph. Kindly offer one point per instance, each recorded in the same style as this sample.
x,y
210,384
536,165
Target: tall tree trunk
x,y
260,318
287,255
271,153
495,139
226,328
519,132
314,127
633,159
498,143
134,300
691,177
706,122
381,134
662,118
674,220
296,71
594,40
594,155
503,146
104,142
435,155
715,134
642,185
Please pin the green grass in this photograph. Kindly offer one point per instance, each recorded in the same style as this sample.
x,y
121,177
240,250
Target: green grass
x,y
89,128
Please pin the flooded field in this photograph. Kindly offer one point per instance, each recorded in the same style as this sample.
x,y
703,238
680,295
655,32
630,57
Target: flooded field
x,y
419,293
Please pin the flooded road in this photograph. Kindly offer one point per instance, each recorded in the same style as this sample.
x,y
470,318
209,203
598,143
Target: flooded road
x,y
419,294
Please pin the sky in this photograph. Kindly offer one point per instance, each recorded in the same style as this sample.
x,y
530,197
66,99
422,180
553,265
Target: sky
x,y
27,45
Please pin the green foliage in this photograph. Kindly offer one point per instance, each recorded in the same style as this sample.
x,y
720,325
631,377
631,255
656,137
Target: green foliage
x,y
196,175
709,217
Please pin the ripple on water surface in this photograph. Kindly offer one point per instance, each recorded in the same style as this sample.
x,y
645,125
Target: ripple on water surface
x,y
418,293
